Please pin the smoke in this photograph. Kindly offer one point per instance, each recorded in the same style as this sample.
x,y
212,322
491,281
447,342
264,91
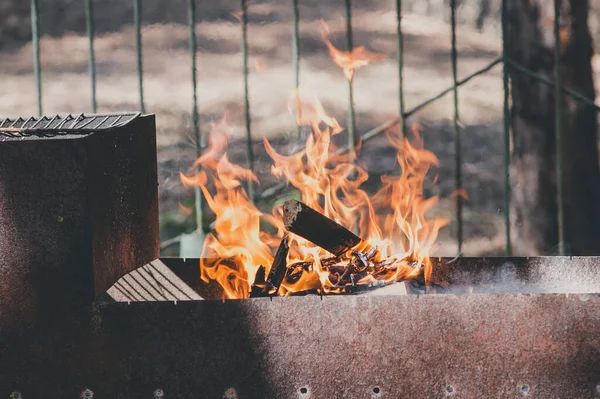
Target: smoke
x,y
544,275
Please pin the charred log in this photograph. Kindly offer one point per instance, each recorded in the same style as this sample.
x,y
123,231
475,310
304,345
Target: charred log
x,y
259,288
279,267
304,221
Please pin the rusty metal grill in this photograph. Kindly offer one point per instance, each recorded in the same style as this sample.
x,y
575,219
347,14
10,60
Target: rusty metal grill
x,y
58,125
81,216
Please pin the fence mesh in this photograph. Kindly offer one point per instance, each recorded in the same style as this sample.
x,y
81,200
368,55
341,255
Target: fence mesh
x,y
353,137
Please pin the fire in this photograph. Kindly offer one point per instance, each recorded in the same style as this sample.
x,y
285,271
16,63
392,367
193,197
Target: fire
x,y
397,235
233,253
393,221
349,61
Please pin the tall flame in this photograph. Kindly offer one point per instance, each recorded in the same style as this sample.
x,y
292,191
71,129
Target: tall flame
x,y
393,223
237,248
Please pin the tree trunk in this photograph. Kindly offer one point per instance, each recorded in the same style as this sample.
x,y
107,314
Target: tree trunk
x,y
531,35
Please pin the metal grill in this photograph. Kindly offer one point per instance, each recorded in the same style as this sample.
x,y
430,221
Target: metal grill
x,y
63,125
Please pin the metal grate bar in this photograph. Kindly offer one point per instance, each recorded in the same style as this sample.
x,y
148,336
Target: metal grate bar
x,y
76,120
43,118
115,121
457,141
15,122
86,122
296,53
90,28
62,125
62,122
506,127
102,121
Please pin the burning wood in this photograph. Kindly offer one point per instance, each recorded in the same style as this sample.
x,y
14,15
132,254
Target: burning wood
x,y
279,267
350,270
270,286
300,219
394,237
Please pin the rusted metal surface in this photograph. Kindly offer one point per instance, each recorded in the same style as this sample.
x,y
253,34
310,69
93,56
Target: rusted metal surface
x,y
433,346
78,210
542,274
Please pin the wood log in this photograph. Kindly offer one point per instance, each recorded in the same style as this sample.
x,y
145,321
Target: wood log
x,y
304,221
259,288
279,267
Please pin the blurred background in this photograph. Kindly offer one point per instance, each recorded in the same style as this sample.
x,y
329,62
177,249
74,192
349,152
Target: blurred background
x,y
168,91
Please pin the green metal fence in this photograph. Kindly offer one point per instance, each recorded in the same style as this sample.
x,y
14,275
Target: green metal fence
x,y
353,137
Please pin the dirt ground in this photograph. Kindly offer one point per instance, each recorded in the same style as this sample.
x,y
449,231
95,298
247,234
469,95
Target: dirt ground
x,y
168,91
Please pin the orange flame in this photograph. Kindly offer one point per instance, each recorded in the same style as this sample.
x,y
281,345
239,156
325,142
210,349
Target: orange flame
x,y
398,237
349,61
392,222
236,250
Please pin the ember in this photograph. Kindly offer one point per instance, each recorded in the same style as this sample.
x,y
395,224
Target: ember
x,y
343,240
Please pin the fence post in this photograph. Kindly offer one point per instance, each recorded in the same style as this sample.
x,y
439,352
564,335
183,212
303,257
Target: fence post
x,y
506,131
351,111
89,23
35,39
558,131
457,142
199,203
296,55
137,21
400,55
249,148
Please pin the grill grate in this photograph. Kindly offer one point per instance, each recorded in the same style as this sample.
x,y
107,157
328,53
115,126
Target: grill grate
x,y
63,125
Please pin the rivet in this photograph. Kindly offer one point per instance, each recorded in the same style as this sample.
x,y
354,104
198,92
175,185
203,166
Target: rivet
x,y
159,394
525,389
303,392
449,390
230,393
87,394
16,395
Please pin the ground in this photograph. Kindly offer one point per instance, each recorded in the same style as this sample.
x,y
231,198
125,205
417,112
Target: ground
x,y
168,91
